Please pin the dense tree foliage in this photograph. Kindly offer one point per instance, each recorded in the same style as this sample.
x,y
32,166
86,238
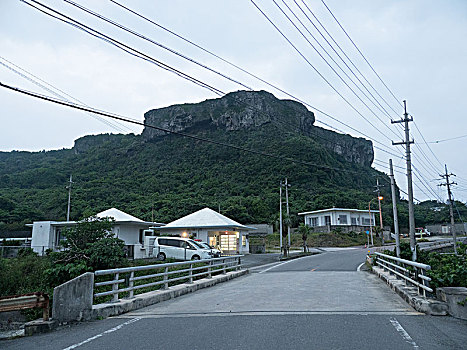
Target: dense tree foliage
x,y
90,245
172,176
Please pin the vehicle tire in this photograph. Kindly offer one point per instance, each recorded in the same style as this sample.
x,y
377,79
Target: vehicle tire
x,y
161,256
195,257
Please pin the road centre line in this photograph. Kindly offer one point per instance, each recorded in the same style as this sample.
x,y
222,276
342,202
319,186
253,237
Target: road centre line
x,y
285,262
74,346
403,333
151,315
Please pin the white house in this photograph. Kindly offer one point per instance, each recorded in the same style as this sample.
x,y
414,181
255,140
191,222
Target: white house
x,y
345,219
130,229
225,234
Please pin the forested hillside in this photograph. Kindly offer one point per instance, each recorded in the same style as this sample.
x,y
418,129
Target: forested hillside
x,y
166,176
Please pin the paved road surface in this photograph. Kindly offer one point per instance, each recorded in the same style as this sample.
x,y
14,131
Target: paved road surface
x,y
316,302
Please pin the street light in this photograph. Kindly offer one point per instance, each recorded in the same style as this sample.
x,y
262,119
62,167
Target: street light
x,y
379,198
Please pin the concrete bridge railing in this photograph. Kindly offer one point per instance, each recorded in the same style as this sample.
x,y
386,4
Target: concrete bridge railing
x,y
411,272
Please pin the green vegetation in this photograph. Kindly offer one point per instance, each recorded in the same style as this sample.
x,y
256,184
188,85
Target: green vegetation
x,y
447,270
89,246
321,239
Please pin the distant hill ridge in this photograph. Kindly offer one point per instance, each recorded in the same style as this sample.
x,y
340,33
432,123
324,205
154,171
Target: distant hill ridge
x,y
168,176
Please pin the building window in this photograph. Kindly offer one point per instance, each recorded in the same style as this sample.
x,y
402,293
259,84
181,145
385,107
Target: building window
x,y
353,221
342,219
314,222
367,221
327,220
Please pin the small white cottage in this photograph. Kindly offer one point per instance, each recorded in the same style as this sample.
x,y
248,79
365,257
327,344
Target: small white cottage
x,y
326,220
225,234
130,229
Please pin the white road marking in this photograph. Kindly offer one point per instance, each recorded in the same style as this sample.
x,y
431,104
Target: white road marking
x,y
285,262
360,266
403,333
152,315
74,346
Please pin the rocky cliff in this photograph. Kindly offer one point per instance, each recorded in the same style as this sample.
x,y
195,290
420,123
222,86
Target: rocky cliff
x,y
250,110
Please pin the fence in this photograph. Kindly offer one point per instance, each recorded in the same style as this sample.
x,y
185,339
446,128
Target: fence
x,y
26,301
412,272
160,275
440,244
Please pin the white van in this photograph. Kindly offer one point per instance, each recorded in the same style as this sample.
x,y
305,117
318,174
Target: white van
x,y
180,249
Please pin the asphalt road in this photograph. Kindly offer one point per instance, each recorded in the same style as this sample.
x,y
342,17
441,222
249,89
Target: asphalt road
x,y
316,302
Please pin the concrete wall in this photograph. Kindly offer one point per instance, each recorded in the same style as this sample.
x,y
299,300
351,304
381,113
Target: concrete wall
x,y
445,229
73,300
42,236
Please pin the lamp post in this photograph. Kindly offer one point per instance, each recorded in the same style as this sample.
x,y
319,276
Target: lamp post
x,y
380,198
380,217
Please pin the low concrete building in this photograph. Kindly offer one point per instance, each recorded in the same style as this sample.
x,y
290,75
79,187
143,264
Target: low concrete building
x,y
445,229
225,234
347,220
130,229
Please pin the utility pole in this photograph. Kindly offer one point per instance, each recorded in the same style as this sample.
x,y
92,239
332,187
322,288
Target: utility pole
x,y
280,216
288,213
378,186
69,199
451,213
394,209
407,143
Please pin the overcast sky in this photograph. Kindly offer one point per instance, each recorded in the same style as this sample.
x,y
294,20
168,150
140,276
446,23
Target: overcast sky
x,y
418,47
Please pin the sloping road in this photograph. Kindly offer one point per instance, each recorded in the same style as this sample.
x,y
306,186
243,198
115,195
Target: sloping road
x,y
316,302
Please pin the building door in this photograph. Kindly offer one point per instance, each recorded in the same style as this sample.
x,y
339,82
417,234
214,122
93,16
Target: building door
x,y
327,220
228,243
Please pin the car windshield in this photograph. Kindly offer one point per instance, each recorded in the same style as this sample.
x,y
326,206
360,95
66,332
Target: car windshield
x,y
196,244
205,245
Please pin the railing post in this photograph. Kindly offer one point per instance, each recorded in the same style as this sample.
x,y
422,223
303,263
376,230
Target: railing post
x,y
131,284
115,288
239,264
423,282
45,311
190,274
210,269
224,271
166,277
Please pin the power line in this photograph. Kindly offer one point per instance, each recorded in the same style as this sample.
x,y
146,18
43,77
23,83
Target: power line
x,y
121,46
343,52
355,45
333,60
316,70
257,78
133,121
117,126
128,30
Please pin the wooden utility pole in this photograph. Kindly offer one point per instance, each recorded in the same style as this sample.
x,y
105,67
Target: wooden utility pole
x,y
451,213
394,209
407,144
288,212
280,216
69,199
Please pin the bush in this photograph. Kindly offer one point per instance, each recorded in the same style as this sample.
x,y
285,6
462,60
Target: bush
x,y
89,246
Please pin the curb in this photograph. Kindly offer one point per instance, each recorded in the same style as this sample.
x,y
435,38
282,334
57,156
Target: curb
x,y
299,255
150,298
409,294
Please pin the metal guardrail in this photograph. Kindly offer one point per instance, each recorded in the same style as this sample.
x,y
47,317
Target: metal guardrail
x,y
410,271
440,244
170,273
26,301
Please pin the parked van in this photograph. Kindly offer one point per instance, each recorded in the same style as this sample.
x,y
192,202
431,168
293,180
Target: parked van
x,y
180,249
